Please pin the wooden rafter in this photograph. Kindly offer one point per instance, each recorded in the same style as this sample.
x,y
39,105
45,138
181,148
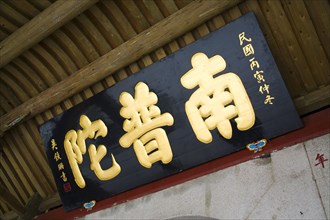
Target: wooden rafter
x,y
40,27
156,36
11,201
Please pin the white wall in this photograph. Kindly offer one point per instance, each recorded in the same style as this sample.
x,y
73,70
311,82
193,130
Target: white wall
x,y
286,185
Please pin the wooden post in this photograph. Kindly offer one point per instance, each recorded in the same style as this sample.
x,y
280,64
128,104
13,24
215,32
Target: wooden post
x,y
40,27
156,36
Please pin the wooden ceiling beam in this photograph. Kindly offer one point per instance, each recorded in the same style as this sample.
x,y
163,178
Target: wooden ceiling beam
x,y
50,202
40,27
156,36
11,201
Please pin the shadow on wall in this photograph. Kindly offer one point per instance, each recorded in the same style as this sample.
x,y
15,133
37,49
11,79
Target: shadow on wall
x,y
192,218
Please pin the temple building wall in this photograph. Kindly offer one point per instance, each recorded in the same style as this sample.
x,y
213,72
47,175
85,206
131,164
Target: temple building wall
x,y
287,184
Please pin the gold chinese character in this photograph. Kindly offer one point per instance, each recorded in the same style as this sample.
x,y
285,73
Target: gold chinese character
x,y
258,75
96,156
268,100
264,88
242,38
248,50
143,119
57,156
212,100
60,166
63,177
53,144
253,63
75,147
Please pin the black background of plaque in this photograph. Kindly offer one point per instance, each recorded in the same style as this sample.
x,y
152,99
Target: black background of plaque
x,y
163,78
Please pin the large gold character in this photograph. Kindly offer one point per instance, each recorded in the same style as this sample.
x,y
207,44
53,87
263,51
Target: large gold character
x,y
217,100
142,124
75,147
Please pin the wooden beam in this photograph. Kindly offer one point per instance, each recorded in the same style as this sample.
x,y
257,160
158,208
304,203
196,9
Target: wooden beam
x,y
11,201
50,202
40,27
9,216
313,100
156,36
32,208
